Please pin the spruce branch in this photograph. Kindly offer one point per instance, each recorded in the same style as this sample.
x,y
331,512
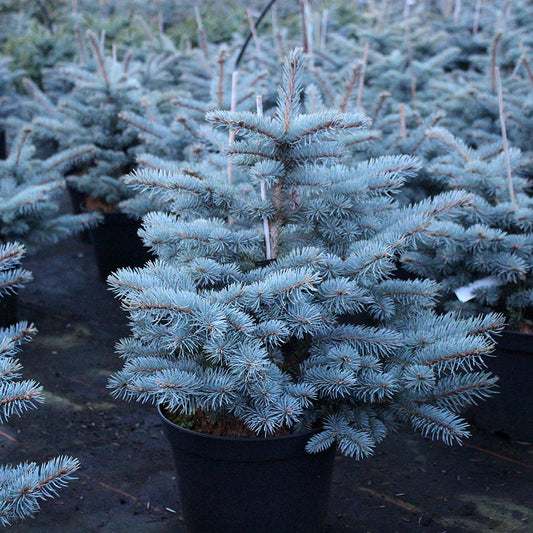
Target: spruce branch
x,y
98,52
357,71
528,69
383,96
81,45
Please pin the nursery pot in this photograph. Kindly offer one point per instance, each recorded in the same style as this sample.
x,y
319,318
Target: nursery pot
x,y
116,244
510,412
245,485
77,200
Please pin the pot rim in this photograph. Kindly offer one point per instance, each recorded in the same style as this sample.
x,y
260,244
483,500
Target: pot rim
x,y
191,432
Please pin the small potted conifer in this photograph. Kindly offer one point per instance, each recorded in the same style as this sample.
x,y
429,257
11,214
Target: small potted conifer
x,y
271,329
484,262
29,203
103,87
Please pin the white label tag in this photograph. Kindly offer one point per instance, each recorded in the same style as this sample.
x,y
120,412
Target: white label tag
x,y
466,293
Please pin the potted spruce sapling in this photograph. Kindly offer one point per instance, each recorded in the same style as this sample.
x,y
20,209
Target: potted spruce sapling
x,y
24,485
102,90
239,330
29,204
484,262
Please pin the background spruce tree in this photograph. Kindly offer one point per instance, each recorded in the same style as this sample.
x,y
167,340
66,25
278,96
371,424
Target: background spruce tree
x,y
492,243
217,332
29,188
103,87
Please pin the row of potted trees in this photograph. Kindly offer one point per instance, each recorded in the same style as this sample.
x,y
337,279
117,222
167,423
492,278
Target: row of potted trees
x,y
301,298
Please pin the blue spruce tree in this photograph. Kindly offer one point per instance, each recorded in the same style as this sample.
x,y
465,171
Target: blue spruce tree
x,y
274,301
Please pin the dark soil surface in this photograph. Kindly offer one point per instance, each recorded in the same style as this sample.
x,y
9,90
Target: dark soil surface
x,y
126,482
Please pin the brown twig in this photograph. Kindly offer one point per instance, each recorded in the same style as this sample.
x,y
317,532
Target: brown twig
x,y
81,45
528,69
382,97
26,132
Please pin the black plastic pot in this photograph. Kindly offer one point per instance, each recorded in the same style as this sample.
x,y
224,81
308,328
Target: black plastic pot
x,y
510,412
116,244
77,200
9,311
245,485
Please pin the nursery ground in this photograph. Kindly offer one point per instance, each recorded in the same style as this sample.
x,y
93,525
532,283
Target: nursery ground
x,y
126,481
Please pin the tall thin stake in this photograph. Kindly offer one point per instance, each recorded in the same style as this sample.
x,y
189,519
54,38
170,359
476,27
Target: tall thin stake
x,y
266,225
221,59
362,77
202,38
276,33
324,29
411,61
504,136
310,30
234,79
457,11
477,12
493,61
305,44
403,127
256,24
253,29
381,21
